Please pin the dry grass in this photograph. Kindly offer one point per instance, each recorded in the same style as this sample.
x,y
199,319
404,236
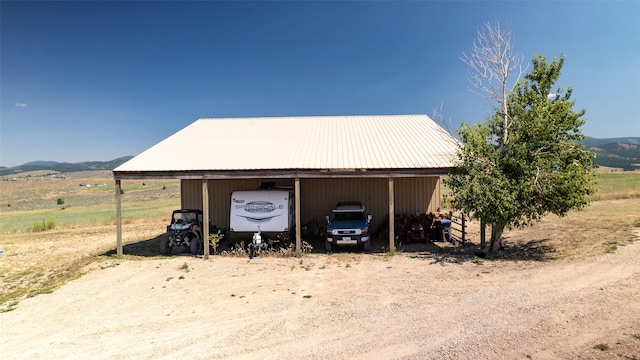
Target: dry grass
x,y
32,198
41,190
82,228
602,227
35,263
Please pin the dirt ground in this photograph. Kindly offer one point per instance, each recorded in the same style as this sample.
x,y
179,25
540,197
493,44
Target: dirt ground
x,y
413,305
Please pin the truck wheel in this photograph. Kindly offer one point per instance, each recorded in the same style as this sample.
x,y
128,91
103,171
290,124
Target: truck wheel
x,y
195,246
328,247
367,246
164,246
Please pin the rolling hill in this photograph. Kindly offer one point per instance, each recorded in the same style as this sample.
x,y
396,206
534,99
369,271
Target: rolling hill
x,y
621,153
65,167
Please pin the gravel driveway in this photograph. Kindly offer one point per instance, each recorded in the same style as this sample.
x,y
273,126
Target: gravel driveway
x,y
343,306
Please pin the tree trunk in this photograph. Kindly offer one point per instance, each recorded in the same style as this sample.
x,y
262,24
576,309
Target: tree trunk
x,y
496,240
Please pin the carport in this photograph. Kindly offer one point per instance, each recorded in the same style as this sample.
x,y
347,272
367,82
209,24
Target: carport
x,y
389,162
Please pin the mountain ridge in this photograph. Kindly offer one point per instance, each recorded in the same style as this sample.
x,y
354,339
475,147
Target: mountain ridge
x,y
64,166
623,153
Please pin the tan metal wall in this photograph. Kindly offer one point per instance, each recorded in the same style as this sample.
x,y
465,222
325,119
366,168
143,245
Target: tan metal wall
x,y
318,196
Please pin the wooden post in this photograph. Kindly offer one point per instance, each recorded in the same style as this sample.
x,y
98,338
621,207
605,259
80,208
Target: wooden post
x,y
464,228
482,234
118,219
392,236
297,210
205,217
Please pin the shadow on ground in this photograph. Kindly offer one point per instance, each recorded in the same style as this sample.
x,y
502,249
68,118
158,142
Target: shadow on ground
x,y
436,252
536,250
143,248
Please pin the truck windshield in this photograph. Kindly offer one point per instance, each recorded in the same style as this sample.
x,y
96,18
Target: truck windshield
x,y
347,216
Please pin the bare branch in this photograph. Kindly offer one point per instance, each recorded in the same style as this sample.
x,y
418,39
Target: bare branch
x,y
445,125
438,116
491,62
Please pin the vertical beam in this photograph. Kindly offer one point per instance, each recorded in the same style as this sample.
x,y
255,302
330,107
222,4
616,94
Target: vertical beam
x,y
297,210
392,236
482,234
118,219
464,229
205,217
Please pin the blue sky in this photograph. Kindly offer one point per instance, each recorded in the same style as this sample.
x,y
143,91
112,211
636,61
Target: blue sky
x,y
85,81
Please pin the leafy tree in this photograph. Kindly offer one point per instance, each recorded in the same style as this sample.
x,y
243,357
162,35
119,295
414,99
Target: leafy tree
x,y
540,168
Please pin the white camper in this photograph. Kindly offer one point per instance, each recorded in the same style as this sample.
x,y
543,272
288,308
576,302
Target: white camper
x,y
267,211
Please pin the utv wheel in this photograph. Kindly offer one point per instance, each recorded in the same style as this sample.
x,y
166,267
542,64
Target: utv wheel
x,y
195,246
164,246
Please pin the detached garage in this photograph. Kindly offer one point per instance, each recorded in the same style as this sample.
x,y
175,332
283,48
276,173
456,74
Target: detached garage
x,y
391,163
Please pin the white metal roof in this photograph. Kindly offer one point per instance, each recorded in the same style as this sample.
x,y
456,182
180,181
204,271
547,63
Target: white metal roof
x,y
306,142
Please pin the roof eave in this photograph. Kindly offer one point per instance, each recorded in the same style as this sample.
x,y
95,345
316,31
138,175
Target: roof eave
x,y
280,173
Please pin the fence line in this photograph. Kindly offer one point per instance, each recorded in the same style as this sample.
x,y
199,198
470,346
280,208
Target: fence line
x,y
459,226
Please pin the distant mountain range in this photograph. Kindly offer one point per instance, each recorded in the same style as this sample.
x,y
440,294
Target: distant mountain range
x,y
65,167
621,153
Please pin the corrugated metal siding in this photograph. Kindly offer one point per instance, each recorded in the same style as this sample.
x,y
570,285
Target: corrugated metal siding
x,y
191,194
416,195
306,142
319,196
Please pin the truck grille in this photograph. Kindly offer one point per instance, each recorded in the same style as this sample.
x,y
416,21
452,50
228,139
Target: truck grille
x,y
347,232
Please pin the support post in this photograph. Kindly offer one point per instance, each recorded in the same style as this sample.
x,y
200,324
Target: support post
x,y
392,236
118,218
482,234
464,228
297,211
205,217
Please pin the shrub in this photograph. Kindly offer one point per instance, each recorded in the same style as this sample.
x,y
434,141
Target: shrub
x,y
43,226
602,347
60,201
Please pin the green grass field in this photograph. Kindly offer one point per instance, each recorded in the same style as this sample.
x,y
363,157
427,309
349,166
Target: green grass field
x,y
103,214
609,186
34,203
618,185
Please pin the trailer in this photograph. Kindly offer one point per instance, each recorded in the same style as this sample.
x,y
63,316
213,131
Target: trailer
x,y
270,212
